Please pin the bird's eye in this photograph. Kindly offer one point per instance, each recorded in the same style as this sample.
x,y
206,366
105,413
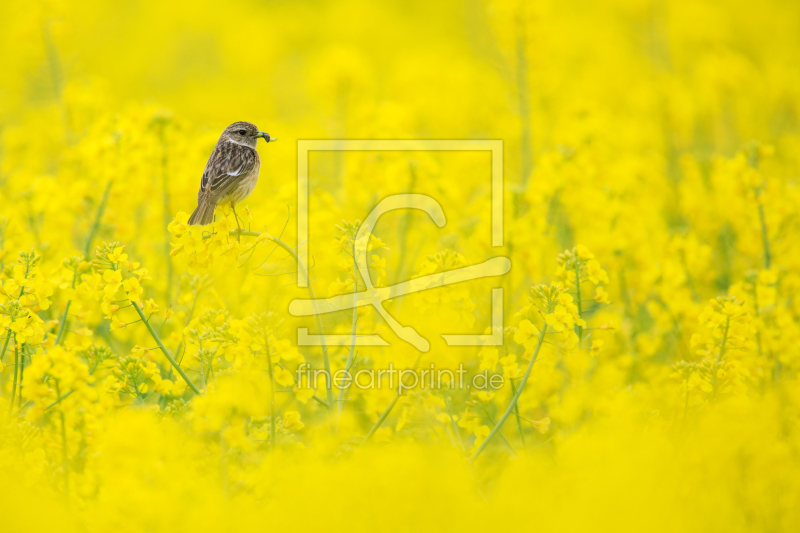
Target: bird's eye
x,y
242,132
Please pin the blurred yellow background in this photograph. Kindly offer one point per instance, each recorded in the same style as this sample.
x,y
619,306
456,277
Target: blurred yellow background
x,y
651,148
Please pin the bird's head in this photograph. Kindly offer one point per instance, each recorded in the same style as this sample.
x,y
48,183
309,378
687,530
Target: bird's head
x,y
245,133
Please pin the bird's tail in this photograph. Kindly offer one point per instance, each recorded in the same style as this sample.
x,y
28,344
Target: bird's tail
x,y
204,214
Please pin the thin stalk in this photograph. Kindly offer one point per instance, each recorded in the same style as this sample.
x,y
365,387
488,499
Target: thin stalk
x,y
271,397
319,400
454,427
764,235
5,344
757,314
8,335
100,210
342,390
523,94
188,320
164,349
136,390
519,419
64,447
21,375
689,282
16,350
21,407
502,437
54,64
721,354
724,340
3,225
388,409
62,326
578,298
383,416
59,400
514,400
403,229
14,383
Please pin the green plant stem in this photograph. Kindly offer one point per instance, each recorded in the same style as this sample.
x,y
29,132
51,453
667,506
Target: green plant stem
x,y
62,326
526,134
724,340
757,315
16,349
721,354
689,282
516,413
64,446
21,407
100,210
5,344
342,390
764,236
383,416
454,428
514,400
3,226
63,396
59,400
14,383
388,409
325,358
502,437
271,397
21,375
403,229
188,320
164,349
138,394
578,298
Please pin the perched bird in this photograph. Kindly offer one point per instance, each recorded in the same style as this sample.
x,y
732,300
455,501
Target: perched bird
x,y
231,172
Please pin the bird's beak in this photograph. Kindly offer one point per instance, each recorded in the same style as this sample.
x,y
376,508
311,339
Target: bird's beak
x,y
266,137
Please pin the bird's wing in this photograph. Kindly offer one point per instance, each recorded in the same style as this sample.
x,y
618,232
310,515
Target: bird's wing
x,y
228,164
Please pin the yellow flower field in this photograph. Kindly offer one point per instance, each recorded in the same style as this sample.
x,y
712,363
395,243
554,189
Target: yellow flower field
x,y
608,339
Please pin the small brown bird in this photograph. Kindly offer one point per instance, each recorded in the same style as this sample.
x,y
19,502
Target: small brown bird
x,y
231,172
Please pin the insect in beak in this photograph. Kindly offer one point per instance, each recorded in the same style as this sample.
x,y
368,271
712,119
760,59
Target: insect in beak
x,y
266,137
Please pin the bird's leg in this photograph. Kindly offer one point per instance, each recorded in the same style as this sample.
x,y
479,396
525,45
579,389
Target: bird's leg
x,y
238,228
